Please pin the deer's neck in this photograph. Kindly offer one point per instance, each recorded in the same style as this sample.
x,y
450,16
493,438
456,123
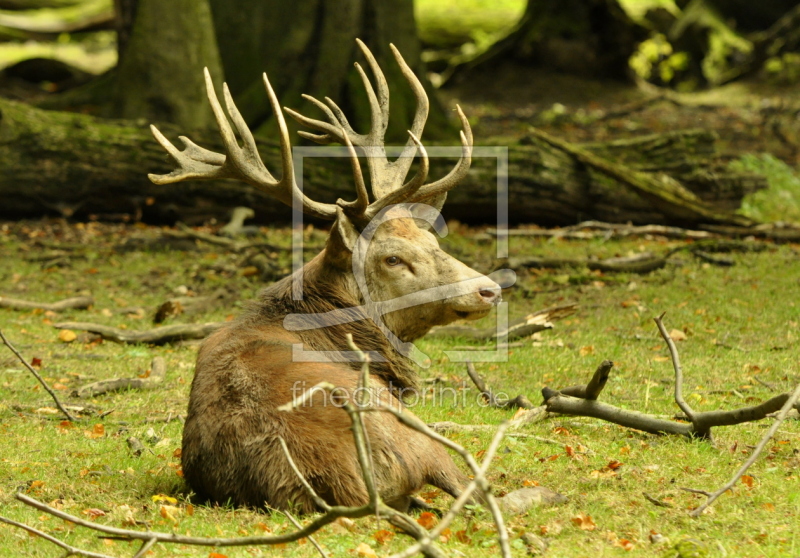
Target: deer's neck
x,y
326,289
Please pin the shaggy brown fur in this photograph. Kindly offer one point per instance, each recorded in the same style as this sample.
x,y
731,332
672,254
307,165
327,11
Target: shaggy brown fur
x,y
245,371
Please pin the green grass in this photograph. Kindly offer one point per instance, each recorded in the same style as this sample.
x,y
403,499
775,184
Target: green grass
x,y
781,200
741,322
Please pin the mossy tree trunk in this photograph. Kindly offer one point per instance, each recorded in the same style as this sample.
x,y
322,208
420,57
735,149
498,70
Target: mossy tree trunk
x,y
308,46
590,38
73,164
160,75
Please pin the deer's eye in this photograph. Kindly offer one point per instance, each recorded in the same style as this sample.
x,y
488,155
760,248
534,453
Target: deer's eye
x,y
392,260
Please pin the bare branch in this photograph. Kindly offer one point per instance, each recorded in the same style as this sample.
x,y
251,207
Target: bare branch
x,y
317,500
38,377
156,336
519,402
71,550
790,402
297,524
75,303
676,364
592,390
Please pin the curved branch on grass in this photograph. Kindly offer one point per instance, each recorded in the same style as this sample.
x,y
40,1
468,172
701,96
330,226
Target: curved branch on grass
x,y
74,303
791,401
155,336
581,401
33,371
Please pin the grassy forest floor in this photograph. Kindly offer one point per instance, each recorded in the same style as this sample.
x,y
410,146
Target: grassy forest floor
x,y
740,323
739,327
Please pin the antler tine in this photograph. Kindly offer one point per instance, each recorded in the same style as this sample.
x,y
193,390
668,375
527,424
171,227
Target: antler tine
x,y
423,104
288,182
378,105
409,188
443,185
240,162
362,198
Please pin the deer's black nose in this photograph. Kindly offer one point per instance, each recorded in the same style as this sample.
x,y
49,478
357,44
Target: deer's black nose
x,y
491,295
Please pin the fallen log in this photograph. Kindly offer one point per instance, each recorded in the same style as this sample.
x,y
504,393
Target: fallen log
x,y
82,166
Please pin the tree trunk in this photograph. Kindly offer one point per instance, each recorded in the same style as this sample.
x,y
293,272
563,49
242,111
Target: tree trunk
x,y
160,76
79,165
589,38
308,46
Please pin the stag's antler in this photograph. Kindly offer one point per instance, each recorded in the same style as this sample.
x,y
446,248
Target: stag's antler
x,y
387,176
239,162
244,163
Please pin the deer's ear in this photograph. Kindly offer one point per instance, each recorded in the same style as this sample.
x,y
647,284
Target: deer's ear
x,y
342,239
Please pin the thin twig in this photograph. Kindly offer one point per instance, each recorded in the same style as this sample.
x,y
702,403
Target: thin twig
x,y
317,500
310,538
519,402
38,377
147,545
695,490
71,550
756,452
676,364
656,501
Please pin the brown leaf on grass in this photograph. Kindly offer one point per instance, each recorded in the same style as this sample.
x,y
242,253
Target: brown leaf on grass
x,y
584,522
36,363
530,483
170,513
261,526
93,513
587,350
427,520
445,536
561,430
624,544
570,451
383,536
65,425
97,431
747,480
67,336
677,335
217,555
35,485
462,537
614,465
365,551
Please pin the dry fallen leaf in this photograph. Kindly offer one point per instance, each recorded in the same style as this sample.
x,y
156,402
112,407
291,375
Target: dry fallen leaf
x,y
585,522
427,520
97,431
747,480
93,513
170,513
365,551
383,536
67,336
163,498
587,350
677,335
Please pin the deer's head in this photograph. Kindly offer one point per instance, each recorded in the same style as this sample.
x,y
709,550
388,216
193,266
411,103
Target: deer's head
x,y
381,246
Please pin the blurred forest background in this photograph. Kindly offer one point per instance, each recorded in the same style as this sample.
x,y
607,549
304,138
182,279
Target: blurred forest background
x,y
691,102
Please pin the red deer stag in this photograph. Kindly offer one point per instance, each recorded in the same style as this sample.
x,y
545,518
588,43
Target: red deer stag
x,y
248,368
